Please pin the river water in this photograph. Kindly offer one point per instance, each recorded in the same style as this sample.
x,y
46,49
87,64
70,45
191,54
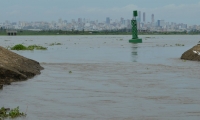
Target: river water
x,y
111,79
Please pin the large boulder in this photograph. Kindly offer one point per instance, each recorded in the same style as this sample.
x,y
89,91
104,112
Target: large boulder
x,y
14,67
192,54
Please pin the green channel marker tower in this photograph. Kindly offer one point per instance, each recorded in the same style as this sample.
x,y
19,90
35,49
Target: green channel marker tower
x,y
135,38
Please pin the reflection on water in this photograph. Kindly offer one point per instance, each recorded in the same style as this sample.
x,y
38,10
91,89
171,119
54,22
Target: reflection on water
x,y
111,79
134,52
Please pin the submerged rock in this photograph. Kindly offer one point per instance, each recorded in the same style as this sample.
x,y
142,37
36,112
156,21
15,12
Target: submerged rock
x,y
192,54
14,67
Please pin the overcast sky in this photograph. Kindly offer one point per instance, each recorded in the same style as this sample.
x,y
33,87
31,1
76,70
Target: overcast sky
x,y
181,11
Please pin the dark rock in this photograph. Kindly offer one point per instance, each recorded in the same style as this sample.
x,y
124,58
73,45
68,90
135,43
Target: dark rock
x,y
14,67
192,54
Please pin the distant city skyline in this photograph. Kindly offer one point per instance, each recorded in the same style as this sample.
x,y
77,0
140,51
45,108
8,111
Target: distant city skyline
x,y
180,11
95,25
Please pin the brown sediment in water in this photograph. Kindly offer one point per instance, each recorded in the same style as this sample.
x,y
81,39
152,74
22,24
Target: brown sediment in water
x,y
191,55
14,67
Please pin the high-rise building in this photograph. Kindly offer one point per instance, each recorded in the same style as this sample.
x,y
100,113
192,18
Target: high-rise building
x,y
139,16
107,20
121,20
65,21
79,20
60,21
144,17
96,21
152,18
83,20
161,23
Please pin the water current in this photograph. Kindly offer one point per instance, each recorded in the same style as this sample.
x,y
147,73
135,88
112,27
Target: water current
x,y
111,79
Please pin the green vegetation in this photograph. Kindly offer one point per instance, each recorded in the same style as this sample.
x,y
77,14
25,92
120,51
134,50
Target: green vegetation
x,y
19,47
105,32
149,37
70,71
55,44
179,44
166,45
31,47
36,47
13,113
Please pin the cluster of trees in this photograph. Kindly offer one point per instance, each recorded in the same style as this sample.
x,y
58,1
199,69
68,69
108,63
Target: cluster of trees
x,y
194,31
104,32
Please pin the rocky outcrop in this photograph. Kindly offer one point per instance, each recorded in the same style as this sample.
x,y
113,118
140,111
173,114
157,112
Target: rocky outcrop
x,y
14,67
192,54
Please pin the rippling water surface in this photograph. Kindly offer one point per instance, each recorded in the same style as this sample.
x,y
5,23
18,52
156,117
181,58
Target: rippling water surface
x,y
111,79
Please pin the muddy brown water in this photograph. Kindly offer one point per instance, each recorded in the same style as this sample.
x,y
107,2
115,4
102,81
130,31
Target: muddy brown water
x,y
111,79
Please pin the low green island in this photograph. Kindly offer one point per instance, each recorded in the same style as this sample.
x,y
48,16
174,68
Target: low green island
x,y
30,47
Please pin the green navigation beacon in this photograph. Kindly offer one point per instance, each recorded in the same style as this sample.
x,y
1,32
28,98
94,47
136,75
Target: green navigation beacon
x,y
135,38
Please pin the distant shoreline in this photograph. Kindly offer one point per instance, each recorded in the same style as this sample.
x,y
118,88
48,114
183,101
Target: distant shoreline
x,y
60,32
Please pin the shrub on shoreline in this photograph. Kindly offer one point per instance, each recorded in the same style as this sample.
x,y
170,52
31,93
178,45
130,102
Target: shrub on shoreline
x,y
13,113
19,47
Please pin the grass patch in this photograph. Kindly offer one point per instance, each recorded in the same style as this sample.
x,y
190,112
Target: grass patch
x,y
36,47
31,47
52,44
13,113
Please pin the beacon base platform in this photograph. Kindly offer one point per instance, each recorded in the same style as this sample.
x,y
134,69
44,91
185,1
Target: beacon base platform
x,y
135,40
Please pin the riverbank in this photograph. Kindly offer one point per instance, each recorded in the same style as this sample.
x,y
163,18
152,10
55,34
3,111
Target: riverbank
x,y
192,54
14,67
